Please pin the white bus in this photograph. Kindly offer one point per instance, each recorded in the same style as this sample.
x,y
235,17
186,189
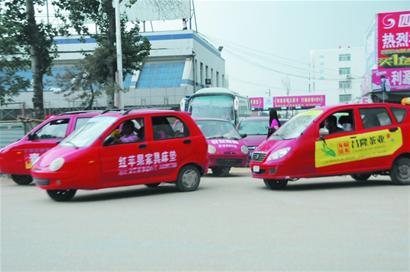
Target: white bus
x,y
219,103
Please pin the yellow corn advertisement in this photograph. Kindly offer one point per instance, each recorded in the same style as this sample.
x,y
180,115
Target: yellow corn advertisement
x,y
357,147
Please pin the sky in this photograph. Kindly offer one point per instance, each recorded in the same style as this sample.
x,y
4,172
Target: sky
x,y
257,35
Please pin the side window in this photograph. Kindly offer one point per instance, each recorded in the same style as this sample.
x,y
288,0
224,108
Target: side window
x,y
129,131
340,121
81,122
52,130
374,117
399,114
168,127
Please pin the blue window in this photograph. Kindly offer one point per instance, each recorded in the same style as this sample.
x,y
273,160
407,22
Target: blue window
x,y
161,75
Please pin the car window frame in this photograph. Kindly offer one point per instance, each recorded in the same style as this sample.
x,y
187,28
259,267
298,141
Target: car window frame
x,y
186,127
49,122
389,114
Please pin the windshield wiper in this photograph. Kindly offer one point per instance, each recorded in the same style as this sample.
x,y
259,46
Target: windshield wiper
x,y
71,143
216,137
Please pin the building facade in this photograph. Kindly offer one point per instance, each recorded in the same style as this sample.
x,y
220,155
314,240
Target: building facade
x,y
337,74
180,62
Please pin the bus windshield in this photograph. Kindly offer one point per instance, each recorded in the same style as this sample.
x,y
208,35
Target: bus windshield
x,y
212,106
295,126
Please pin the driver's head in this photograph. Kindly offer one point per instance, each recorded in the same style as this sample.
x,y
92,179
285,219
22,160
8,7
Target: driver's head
x,y
331,122
128,127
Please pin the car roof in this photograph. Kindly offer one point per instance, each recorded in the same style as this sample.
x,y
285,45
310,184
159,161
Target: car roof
x,y
368,105
255,118
211,119
118,113
76,113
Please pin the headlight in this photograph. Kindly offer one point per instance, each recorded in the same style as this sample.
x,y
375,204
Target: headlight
x,y
278,154
56,164
244,149
211,149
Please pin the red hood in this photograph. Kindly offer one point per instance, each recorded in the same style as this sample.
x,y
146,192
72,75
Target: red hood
x,y
254,140
271,145
56,152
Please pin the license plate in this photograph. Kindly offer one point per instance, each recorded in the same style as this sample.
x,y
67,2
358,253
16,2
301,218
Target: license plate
x,y
256,168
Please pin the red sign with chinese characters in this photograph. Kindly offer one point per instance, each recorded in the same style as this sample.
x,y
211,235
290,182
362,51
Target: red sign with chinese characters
x,y
393,35
299,101
256,102
396,79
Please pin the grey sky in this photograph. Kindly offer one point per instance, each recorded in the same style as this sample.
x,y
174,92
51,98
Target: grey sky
x,y
268,33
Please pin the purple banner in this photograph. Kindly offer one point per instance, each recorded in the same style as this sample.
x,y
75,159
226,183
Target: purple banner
x,y
299,101
396,79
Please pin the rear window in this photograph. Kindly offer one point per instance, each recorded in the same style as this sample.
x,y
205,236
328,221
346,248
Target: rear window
x,y
399,114
375,117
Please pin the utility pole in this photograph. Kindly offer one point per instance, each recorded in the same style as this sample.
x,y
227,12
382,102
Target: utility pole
x,y
118,93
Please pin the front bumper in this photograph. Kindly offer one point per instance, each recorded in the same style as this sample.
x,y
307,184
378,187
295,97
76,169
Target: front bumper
x,y
228,161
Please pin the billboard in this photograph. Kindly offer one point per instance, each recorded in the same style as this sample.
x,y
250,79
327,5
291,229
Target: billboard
x,y
393,39
397,79
256,102
156,10
299,101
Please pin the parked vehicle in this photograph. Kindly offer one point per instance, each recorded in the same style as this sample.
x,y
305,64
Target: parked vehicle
x,y
255,129
226,148
122,149
16,159
218,103
358,140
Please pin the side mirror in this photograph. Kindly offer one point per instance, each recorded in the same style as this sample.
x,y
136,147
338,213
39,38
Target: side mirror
x,y
323,132
31,137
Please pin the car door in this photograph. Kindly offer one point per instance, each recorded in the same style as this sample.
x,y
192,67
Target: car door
x,y
41,140
123,162
334,153
172,145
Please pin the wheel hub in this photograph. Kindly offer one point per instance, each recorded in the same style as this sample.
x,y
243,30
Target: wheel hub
x,y
404,172
189,178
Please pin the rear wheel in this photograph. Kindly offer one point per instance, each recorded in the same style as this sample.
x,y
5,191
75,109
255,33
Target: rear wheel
x,y
275,184
361,177
152,185
188,179
400,173
221,171
22,179
61,195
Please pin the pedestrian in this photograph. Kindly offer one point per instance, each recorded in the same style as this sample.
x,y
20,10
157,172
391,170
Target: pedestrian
x,y
274,122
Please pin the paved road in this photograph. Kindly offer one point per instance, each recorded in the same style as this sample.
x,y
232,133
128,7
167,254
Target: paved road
x,y
228,224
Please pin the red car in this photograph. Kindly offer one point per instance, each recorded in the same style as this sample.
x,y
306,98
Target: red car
x,y
226,147
122,149
357,140
17,158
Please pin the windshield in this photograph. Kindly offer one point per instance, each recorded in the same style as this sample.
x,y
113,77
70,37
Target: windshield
x,y
218,129
212,106
253,126
88,133
295,126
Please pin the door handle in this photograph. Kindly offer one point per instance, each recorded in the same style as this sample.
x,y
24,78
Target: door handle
x,y
187,141
393,129
142,146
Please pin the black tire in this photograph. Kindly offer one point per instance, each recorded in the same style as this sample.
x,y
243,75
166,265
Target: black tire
x,y
400,173
22,179
221,171
152,185
274,184
361,177
188,179
61,195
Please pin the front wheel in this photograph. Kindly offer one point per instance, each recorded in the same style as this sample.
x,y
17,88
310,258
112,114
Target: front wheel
x,y
61,195
400,173
274,184
221,171
22,179
188,179
361,177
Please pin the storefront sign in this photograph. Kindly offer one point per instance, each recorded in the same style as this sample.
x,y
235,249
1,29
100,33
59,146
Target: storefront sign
x,y
256,102
299,101
397,79
393,35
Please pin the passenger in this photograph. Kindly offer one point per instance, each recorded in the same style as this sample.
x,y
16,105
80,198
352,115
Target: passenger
x,y
345,122
128,134
331,124
274,122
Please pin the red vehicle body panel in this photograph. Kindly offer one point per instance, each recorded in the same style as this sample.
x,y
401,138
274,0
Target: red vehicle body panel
x,y
228,153
300,161
97,165
15,158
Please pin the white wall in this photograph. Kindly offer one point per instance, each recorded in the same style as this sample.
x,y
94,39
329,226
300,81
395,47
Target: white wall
x,y
325,75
